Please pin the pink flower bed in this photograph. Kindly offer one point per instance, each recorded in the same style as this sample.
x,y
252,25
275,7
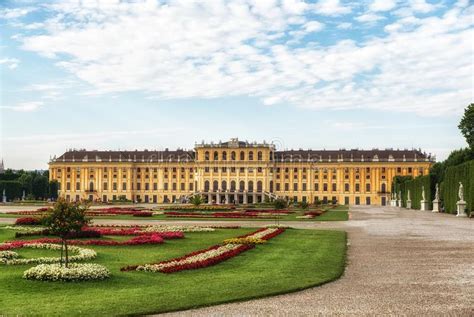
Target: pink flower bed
x,y
28,221
135,231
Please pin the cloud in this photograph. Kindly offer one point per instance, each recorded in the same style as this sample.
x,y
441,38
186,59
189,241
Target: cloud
x,y
29,106
344,25
331,8
11,63
369,18
219,49
14,13
382,5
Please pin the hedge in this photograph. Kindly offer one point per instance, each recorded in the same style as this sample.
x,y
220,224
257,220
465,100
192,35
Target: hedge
x,y
463,173
414,185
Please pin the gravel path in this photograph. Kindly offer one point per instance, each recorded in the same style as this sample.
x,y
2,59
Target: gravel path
x,y
400,262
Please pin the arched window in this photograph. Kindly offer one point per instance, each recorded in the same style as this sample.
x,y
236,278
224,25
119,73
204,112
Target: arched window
x,y
91,186
242,186
232,156
259,156
206,186
215,185
224,156
224,185
232,186
384,188
206,156
250,186
251,156
259,186
242,155
216,156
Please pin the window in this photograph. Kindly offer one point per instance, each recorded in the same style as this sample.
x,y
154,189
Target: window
x,y
251,156
399,169
259,156
206,169
155,186
242,170
325,187
206,186
278,186
367,187
346,187
78,186
206,156
232,169
295,186
410,170
182,186
224,156
295,170
232,186
139,186
216,156
215,186
357,200
232,156
259,186
191,186
250,184
304,187
333,187
242,186
147,186
216,169
384,188
287,187
357,188
346,200
367,200
224,169
68,186
124,186
174,186
114,186
316,187
165,186
259,169
224,186
242,155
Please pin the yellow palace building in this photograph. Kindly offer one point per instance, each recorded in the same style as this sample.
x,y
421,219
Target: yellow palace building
x,y
235,172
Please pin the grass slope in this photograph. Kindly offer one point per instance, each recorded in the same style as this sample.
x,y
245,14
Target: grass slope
x,y
295,260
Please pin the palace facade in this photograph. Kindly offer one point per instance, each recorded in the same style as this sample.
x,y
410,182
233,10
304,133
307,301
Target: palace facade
x,y
235,172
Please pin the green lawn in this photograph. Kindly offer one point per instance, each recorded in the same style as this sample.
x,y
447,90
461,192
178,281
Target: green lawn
x,y
294,260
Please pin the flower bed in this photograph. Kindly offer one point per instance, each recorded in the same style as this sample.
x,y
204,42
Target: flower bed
x,y
73,273
82,254
136,231
8,255
246,215
271,211
200,208
28,221
210,256
142,214
166,228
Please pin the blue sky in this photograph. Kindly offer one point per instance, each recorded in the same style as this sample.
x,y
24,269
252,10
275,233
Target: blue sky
x,y
156,74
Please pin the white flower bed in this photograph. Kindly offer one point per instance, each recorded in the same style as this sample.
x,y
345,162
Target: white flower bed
x,y
279,226
263,233
165,228
192,259
74,272
7,255
83,254
25,228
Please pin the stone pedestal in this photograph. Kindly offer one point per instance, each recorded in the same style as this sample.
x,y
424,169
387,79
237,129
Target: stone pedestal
x,y
408,204
209,199
4,199
461,207
399,203
245,198
436,205
218,198
393,203
424,205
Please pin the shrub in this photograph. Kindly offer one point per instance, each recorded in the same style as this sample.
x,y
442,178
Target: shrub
x,y
28,221
280,203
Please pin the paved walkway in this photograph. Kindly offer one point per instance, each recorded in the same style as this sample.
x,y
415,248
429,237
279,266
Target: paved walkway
x,y
400,262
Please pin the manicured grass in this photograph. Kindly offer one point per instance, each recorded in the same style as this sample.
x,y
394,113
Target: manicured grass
x,y
295,260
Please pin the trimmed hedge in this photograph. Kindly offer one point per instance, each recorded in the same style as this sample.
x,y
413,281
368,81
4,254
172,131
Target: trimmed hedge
x,y
463,173
13,189
415,186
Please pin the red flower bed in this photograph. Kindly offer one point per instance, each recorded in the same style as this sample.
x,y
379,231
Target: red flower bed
x,y
28,221
145,239
174,214
271,211
136,231
72,235
142,214
210,261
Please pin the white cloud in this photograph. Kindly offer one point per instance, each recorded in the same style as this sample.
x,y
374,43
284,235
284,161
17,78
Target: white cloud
x,y
382,5
207,50
344,25
369,18
11,63
29,106
14,13
331,8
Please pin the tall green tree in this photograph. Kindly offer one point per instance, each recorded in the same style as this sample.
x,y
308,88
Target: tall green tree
x,y
467,125
53,189
65,219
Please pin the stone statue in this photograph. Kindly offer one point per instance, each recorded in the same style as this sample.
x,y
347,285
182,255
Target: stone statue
x,y
400,195
408,195
461,192
423,197
437,192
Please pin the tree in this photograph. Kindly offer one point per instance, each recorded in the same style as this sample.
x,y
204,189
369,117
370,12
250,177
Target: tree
x,y
53,189
65,219
196,200
280,203
467,125
303,205
40,186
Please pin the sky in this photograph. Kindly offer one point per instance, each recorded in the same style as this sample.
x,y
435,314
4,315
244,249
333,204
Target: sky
x,y
151,74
